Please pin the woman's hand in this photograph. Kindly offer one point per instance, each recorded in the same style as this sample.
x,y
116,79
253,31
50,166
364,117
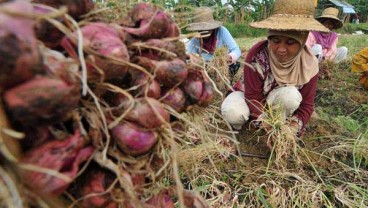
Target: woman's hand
x,y
287,131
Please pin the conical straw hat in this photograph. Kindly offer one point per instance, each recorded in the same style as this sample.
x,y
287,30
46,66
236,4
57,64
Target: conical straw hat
x,y
292,15
203,20
331,13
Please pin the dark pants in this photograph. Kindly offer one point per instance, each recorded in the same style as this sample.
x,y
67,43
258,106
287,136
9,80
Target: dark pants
x,y
233,68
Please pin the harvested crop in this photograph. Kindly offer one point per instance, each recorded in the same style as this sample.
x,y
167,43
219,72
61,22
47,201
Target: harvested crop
x,y
172,31
148,22
132,139
19,56
125,144
41,100
117,100
193,86
10,143
158,49
198,88
76,8
143,83
35,136
161,200
141,11
149,113
104,40
63,156
167,73
46,32
175,98
207,92
92,189
57,65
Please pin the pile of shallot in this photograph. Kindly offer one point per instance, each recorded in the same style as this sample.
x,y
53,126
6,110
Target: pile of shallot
x,y
88,108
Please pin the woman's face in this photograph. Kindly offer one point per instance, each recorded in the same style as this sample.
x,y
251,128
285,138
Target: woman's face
x,y
284,48
205,33
329,24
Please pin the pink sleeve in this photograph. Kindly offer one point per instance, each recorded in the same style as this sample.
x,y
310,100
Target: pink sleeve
x,y
311,40
331,52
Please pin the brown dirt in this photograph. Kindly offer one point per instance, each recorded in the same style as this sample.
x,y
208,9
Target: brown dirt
x,y
341,95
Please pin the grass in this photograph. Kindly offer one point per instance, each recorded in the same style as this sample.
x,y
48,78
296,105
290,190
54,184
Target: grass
x,y
350,28
244,30
332,166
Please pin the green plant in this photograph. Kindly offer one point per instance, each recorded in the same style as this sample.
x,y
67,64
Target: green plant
x,y
348,123
350,28
244,30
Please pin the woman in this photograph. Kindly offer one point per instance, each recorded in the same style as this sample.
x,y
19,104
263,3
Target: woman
x,y
213,36
360,65
324,44
279,71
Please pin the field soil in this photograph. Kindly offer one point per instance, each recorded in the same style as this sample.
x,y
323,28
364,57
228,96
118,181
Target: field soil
x,y
328,156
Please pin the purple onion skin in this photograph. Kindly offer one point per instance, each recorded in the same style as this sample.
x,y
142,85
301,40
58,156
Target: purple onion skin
x,y
142,80
41,100
175,98
61,155
151,22
143,113
132,139
19,56
104,40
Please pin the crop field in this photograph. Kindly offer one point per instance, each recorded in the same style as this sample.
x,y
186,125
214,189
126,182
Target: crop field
x,y
328,167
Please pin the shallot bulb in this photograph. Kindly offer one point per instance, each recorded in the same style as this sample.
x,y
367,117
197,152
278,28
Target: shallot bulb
x,y
148,113
63,156
41,100
104,40
132,139
19,56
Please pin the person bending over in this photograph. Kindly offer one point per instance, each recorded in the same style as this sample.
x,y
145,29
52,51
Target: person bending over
x,y
278,71
324,44
213,36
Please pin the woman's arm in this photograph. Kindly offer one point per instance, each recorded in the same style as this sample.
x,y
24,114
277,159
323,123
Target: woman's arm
x,y
306,108
230,43
253,92
331,52
193,46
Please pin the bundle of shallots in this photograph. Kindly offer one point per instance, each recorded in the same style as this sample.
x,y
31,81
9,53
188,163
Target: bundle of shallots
x,y
96,105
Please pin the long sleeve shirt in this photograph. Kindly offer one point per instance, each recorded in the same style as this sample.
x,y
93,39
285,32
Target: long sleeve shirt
x,y
224,39
328,53
259,81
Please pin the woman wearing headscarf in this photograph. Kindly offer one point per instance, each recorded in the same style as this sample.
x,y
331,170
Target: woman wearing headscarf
x,y
279,71
360,65
324,44
213,36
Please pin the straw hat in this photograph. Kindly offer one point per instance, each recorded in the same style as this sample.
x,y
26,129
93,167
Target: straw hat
x,y
292,15
332,14
203,20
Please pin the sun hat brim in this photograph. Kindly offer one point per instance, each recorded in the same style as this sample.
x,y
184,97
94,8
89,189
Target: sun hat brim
x,y
338,22
204,25
290,22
